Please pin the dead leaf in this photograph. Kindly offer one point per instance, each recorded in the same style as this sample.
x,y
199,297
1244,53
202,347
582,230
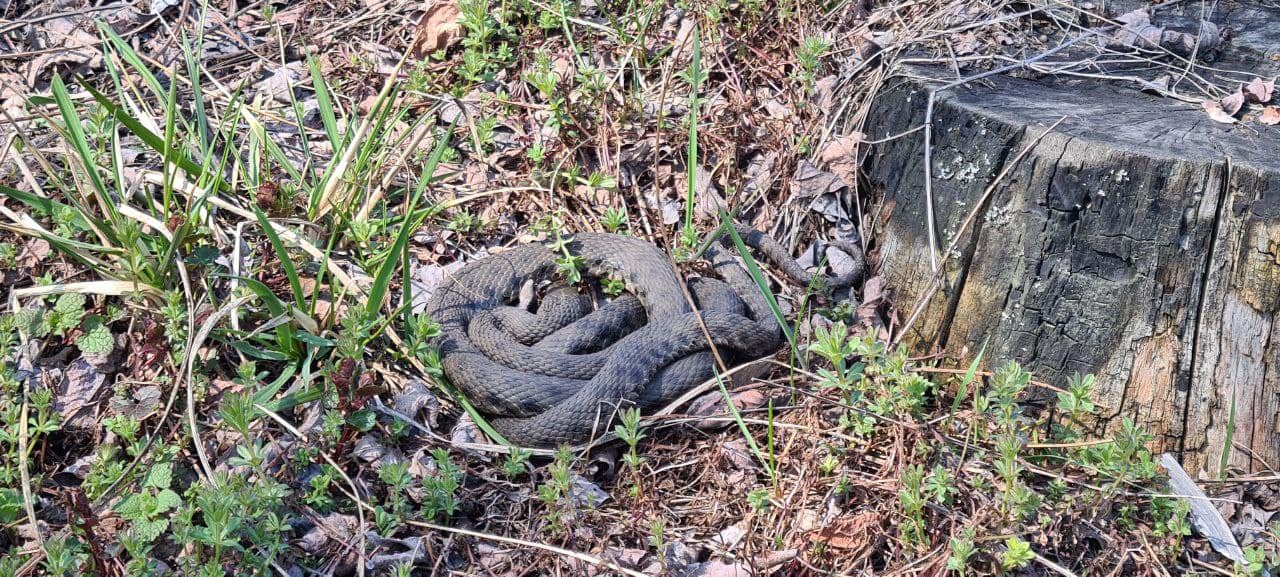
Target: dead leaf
x,y
965,44
465,432
438,28
717,569
368,449
1204,41
586,494
809,182
760,170
1216,113
851,533
1135,31
709,200
1204,517
737,453
713,405
280,83
841,156
417,397
33,252
144,401
1258,91
78,393
393,552
1160,85
156,7
731,535
824,91
426,278
1270,116
334,528
1232,102
873,289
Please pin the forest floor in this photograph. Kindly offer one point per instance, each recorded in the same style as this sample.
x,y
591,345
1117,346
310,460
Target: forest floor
x,y
219,226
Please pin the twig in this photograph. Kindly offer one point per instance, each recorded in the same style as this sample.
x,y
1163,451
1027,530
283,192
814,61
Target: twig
x,y
1056,568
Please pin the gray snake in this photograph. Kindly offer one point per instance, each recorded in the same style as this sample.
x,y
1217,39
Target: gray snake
x,y
558,375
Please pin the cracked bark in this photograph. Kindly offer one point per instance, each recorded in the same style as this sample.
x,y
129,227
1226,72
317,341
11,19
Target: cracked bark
x,y
1125,245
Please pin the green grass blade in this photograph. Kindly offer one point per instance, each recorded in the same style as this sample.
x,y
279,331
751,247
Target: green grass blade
x,y
742,426
290,272
78,140
130,57
324,103
758,277
968,379
156,143
286,337
393,259
197,92
691,164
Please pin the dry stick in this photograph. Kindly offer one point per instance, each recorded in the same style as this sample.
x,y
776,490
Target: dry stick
x,y
928,134
973,213
24,468
1056,568
192,346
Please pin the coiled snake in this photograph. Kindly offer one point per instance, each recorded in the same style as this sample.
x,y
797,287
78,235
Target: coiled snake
x,y
560,374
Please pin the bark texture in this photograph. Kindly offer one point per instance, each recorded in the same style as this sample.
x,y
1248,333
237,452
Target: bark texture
x,y
1140,241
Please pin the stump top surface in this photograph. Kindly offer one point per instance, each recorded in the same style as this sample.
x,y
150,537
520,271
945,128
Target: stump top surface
x,y
1117,114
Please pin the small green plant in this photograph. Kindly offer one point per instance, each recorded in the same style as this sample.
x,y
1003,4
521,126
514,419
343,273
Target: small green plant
x,y
962,548
758,498
939,485
628,429
612,286
1017,554
516,463
658,538
8,255
148,510
555,492
614,220
440,488
809,57
569,265
542,77
913,501
829,464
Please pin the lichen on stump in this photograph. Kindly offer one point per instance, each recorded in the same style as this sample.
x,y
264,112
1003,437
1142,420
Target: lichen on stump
x,y
1138,241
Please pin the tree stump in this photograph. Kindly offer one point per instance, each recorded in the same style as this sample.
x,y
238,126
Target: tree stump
x,y
1138,241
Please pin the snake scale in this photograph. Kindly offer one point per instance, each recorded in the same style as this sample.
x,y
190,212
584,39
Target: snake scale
x,y
558,375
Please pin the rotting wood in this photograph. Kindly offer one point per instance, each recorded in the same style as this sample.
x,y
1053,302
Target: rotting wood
x,y
1139,242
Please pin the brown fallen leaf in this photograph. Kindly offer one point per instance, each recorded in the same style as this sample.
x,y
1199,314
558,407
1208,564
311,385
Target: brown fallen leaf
x,y
841,156
712,404
1259,91
851,533
438,28
717,569
966,44
76,398
1232,103
1216,113
1270,116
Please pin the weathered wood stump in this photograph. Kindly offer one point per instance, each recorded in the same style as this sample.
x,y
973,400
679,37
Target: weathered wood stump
x,y
1138,241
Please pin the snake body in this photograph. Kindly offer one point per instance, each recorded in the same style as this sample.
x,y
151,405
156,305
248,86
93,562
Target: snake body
x,y
559,375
